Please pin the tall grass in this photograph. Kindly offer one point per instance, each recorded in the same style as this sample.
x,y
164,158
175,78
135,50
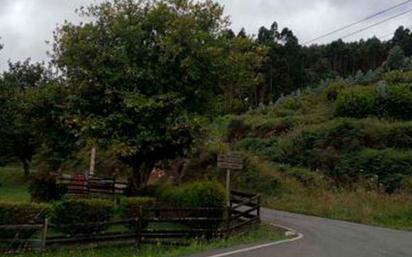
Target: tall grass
x,y
13,185
394,211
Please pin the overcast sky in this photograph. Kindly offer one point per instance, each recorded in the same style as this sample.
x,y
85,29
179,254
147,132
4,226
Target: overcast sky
x,y
25,25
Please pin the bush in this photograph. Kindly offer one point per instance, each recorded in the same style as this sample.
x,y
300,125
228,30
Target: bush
x,y
236,129
130,209
342,135
44,188
197,194
390,166
21,213
360,102
253,179
399,102
258,146
332,91
203,194
68,213
356,102
396,77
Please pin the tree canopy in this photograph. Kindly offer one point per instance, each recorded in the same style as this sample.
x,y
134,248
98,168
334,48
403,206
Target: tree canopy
x,y
139,74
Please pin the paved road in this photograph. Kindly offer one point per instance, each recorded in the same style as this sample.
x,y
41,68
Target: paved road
x,y
330,238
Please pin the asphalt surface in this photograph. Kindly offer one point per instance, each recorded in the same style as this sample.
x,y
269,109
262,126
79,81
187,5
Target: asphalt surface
x,y
329,238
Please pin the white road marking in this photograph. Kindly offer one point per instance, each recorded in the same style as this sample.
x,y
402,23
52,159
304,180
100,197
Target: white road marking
x,y
299,236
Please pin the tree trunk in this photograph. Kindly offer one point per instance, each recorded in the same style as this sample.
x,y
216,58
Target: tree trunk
x,y
140,176
26,167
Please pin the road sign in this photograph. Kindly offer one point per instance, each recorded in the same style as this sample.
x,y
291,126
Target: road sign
x,y
231,161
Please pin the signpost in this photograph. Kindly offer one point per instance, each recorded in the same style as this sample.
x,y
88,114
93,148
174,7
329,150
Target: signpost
x,y
231,161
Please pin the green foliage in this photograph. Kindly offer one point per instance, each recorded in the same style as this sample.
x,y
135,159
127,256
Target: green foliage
x,y
21,213
328,146
44,188
391,167
142,96
396,58
399,102
17,137
333,90
262,147
360,102
52,124
397,76
69,212
197,194
236,129
131,209
252,179
357,102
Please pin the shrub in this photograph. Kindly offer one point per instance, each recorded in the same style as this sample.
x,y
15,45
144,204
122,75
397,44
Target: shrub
x,y
236,129
258,146
68,213
396,77
357,102
253,179
197,194
308,178
203,194
130,209
44,188
399,102
150,191
360,102
332,91
21,213
390,166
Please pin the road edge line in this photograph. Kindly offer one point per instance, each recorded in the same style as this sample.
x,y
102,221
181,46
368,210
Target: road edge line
x,y
248,249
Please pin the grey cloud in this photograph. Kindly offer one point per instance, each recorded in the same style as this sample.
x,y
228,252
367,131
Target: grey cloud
x,y
25,25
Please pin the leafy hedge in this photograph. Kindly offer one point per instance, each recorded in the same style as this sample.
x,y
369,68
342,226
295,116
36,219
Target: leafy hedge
x,y
385,101
80,211
197,194
130,209
21,213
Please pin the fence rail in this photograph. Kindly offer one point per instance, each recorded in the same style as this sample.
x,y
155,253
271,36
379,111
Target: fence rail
x,y
92,186
170,225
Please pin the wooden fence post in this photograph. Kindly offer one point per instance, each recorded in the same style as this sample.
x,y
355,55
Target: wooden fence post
x,y
228,220
44,235
258,210
139,226
114,189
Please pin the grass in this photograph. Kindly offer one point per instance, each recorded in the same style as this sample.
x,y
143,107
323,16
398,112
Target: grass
x,y
13,185
373,208
314,196
263,233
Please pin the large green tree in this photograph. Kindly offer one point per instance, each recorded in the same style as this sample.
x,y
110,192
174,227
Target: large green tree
x,y
139,73
17,138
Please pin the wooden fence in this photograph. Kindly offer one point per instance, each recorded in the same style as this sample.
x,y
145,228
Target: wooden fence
x,y
166,225
93,186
